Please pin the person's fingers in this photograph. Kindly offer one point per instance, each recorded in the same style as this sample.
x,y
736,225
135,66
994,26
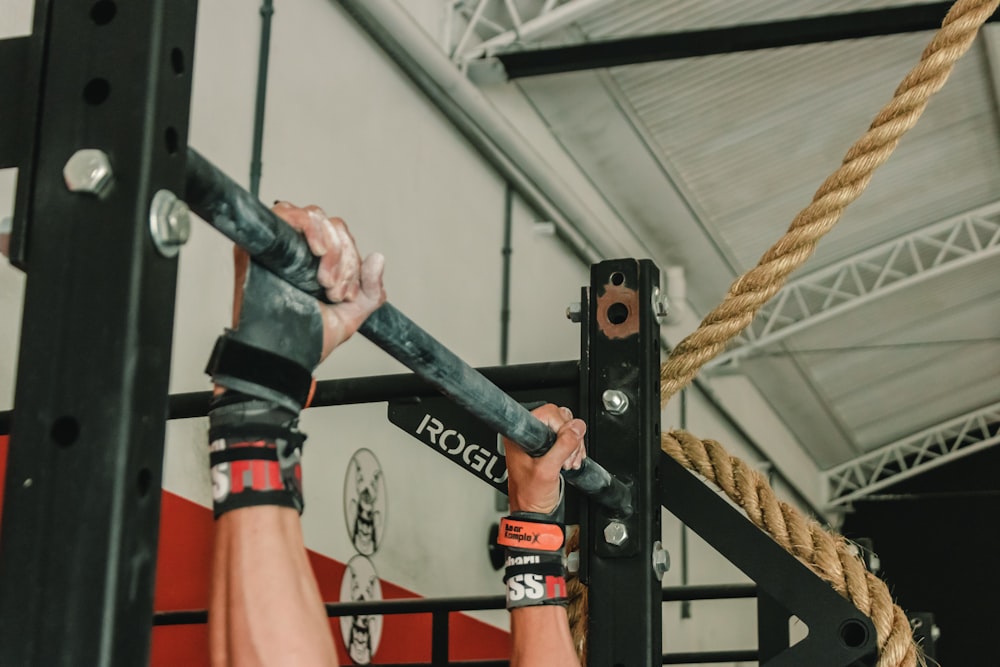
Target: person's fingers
x,y
552,416
569,440
297,218
315,231
569,431
327,274
575,459
372,275
344,275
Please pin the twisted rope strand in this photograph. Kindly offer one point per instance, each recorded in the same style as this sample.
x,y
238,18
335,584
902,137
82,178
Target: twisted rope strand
x,y
828,555
751,291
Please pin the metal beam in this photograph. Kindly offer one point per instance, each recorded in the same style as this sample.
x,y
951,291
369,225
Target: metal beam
x,y
913,455
549,19
729,39
81,507
872,274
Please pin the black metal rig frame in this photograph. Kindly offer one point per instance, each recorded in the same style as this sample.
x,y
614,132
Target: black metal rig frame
x,y
81,513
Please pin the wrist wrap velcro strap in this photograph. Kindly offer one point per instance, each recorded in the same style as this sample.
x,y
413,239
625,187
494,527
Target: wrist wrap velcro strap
x,y
260,373
535,572
524,532
534,579
255,455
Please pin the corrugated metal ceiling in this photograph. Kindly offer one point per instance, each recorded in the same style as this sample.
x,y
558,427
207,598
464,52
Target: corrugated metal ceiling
x,y
747,138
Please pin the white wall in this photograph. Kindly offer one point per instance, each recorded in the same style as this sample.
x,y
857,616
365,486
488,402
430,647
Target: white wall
x,y
347,131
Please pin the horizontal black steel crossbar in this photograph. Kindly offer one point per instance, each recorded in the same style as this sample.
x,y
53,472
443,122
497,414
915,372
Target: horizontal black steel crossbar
x,y
378,388
441,607
236,213
728,39
469,603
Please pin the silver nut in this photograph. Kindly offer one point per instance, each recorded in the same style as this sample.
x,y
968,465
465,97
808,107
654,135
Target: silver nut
x,y
573,562
89,170
574,312
169,223
615,402
661,560
615,533
661,305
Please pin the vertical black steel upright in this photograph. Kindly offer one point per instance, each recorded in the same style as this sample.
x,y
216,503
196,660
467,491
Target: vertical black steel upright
x,y
81,510
621,354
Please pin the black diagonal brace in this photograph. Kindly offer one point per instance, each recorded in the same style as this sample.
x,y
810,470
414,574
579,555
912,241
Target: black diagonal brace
x,y
839,634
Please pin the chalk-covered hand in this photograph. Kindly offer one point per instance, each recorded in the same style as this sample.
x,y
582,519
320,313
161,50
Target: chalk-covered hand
x,y
295,331
533,483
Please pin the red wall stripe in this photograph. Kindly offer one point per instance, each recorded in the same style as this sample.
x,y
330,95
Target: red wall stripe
x,y
182,582
183,579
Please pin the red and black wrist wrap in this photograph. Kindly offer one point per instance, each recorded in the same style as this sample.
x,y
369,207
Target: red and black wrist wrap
x,y
255,454
535,572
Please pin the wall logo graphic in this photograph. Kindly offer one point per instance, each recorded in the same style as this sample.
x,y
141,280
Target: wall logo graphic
x,y
361,634
365,502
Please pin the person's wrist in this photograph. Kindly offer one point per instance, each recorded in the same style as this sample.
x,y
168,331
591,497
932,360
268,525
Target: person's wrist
x,y
534,503
255,453
535,569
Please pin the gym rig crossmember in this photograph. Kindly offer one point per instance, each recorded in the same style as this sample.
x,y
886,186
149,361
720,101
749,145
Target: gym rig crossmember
x,y
95,105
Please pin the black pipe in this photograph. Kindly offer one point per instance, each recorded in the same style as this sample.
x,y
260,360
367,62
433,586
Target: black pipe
x,y
379,388
729,39
505,279
710,592
469,603
266,12
709,657
686,604
275,245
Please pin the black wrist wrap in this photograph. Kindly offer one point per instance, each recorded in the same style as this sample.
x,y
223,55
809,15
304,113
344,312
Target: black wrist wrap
x,y
253,370
255,454
535,570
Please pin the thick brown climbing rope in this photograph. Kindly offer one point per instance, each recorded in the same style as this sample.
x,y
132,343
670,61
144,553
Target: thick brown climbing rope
x,y
830,556
757,286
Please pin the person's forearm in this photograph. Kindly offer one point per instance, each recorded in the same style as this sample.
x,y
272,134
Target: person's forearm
x,y
541,638
279,619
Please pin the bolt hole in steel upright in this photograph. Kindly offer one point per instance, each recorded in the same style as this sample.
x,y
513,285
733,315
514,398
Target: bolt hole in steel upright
x,y
622,402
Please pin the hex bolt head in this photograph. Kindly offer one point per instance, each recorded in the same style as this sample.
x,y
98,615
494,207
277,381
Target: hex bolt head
x,y
89,170
661,560
661,305
615,402
573,562
169,223
574,312
615,533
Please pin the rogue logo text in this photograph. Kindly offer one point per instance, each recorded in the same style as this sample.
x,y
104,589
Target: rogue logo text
x,y
454,444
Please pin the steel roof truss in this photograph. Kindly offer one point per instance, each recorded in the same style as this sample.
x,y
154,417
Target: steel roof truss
x,y
876,272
